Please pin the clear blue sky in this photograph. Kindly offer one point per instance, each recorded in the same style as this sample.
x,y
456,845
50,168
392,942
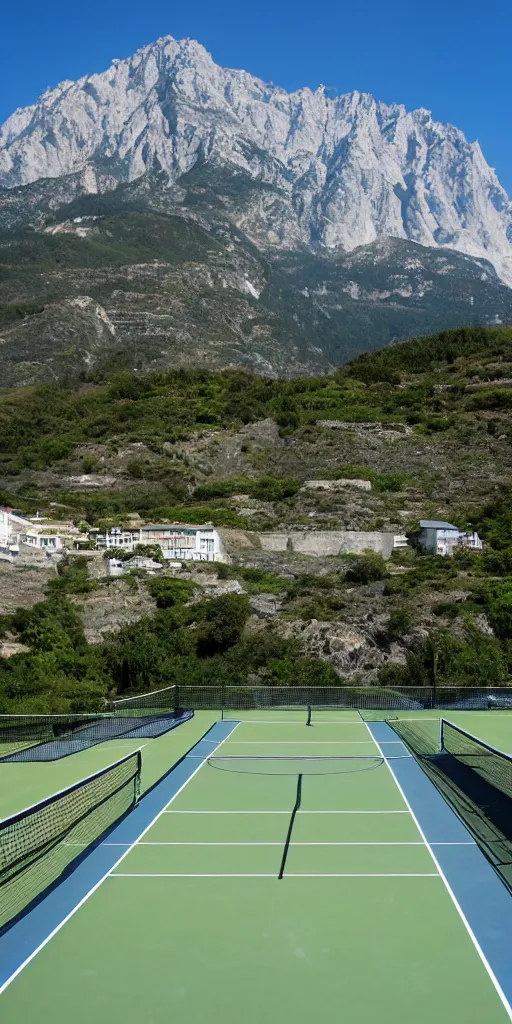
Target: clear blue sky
x,y
451,56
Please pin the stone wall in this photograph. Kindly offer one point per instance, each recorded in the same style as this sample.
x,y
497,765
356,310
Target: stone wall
x,y
335,485
32,557
332,542
366,428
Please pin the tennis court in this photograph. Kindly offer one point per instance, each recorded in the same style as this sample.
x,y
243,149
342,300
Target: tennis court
x,y
26,783
290,871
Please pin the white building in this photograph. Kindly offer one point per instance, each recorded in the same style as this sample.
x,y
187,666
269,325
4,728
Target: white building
x,y
19,535
439,538
177,542
11,526
124,538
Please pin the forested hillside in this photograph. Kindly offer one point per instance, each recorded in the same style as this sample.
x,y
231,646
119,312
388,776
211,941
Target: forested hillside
x,y
428,423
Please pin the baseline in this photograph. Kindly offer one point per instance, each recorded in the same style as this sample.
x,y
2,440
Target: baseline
x,y
287,874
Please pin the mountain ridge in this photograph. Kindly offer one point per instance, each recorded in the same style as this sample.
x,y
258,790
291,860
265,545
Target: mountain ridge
x,y
130,279
341,172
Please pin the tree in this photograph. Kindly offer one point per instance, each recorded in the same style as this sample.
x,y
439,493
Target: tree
x,y
221,623
169,592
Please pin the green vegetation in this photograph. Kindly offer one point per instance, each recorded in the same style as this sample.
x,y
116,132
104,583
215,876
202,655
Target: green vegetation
x,y
400,622
474,660
432,390
256,581
451,396
381,482
168,593
62,672
422,355
265,488
198,643
367,568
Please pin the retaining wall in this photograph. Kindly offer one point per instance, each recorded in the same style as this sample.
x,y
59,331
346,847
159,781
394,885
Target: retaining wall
x,y
332,542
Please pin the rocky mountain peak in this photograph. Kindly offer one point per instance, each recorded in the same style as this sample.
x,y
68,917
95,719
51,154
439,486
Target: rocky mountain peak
x,y
346,169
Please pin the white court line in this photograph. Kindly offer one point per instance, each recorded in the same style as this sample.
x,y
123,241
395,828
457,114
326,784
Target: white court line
x,y
456,903
275,721
121,874
452,711
300,811
302,743
257,843
97,884
365,874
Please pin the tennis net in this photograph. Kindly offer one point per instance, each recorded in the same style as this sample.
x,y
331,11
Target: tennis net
x,y
473,777
41,843
492,765
232,699
154,702
49,737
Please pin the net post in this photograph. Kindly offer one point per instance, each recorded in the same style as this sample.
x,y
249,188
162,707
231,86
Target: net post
x,y
308,715
176,699
441,739
138,777
222,701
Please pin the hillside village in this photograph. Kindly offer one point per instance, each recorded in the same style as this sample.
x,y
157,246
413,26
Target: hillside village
x,y
351,528
30,539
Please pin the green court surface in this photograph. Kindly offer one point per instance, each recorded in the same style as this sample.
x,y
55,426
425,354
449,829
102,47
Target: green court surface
x,y
26,783
194,924
493,727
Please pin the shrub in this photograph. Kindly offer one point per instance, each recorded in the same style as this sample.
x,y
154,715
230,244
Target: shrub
x,y
72,577
393,675
400,622
367,569
260,581
447,609
136,468
90,463
168,592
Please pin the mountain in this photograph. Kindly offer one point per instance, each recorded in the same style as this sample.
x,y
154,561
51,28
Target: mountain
x,y
341,171
127,280
169,212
